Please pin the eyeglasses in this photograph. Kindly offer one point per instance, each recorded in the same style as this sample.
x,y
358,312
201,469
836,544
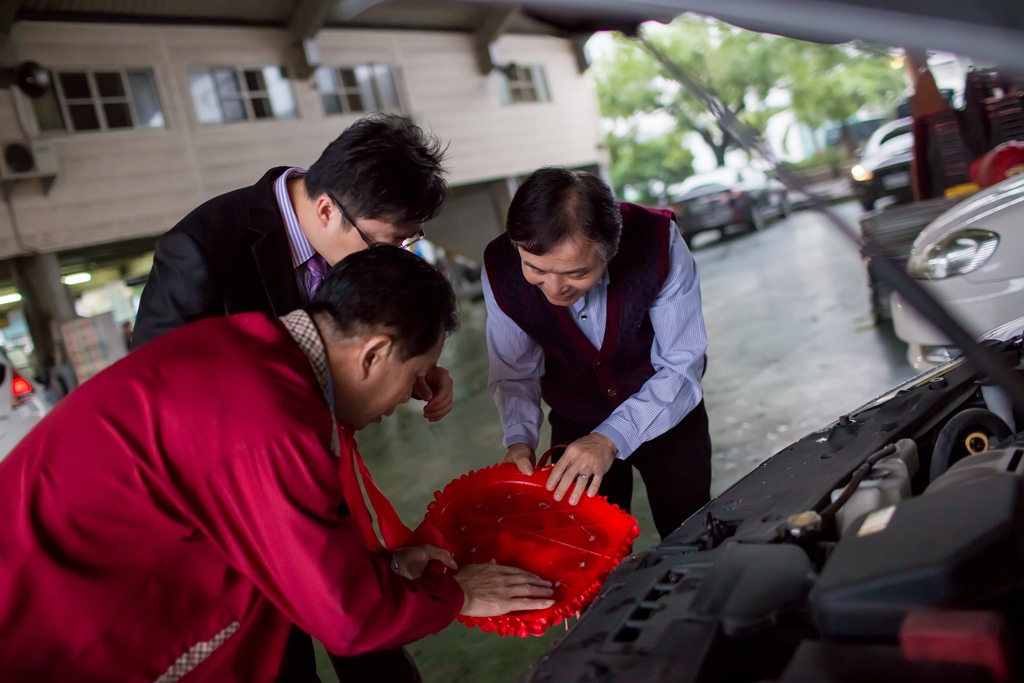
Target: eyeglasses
x,y
404,244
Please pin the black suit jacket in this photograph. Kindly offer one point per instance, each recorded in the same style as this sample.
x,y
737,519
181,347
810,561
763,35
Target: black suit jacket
x,y
230,255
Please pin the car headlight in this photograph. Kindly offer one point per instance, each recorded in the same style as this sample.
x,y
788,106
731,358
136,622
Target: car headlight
x,y
861,174
958,254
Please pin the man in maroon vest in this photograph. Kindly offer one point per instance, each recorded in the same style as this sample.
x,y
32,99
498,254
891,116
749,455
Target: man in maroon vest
x,y
594,308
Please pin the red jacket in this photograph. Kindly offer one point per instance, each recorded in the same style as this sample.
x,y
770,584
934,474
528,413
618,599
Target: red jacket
x,y
186,500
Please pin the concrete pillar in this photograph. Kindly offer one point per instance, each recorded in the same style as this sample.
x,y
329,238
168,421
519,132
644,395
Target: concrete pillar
x,y
46,301
502,191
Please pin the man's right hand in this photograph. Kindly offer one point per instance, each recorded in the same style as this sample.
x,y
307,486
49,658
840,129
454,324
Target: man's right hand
x,y
523,456
492,590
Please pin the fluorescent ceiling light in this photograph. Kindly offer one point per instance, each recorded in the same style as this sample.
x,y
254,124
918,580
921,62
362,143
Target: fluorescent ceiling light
x,y
76,278
10,299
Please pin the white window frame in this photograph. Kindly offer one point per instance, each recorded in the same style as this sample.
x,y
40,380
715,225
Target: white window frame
x,y
27,110
343,92
244,95
527,78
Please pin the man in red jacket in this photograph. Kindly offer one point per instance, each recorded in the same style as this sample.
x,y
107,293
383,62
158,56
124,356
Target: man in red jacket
x,y
177,513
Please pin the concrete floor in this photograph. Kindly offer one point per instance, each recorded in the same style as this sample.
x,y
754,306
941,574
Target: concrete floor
x,y
791,347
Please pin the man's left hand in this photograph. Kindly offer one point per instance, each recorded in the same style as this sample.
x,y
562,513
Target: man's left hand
x,y
582,466
436,390
412,560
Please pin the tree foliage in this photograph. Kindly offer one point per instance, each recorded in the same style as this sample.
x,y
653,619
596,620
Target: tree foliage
x,y
629,81
831,83
827,83
642,169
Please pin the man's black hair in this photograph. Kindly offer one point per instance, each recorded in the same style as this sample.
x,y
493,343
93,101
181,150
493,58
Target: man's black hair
x,y
382,167
555,204
391,290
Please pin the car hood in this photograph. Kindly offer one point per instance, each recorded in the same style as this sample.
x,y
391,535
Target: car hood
x,y
985,30
1005,331
978,211
899,149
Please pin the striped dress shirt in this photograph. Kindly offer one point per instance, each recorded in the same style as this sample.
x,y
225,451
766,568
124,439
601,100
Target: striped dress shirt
x,y
302,250
517,361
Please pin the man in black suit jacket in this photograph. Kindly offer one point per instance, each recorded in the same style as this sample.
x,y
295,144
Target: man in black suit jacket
x,y
267,247
376,183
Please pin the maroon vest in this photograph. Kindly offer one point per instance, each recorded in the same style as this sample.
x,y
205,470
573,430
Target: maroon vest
x,y
580,383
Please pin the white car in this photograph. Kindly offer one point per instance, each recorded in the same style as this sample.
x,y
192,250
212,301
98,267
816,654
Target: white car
x,y
21,405
971,259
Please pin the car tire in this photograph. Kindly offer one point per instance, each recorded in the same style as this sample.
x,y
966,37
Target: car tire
x,y
755,221
785,207
867,201
881,310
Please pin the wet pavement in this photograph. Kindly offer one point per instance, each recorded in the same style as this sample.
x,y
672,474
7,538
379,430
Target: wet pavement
x,y
791,341
791,348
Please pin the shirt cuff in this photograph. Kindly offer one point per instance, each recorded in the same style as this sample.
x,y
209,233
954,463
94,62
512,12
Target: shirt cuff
x,y
520,436
622,447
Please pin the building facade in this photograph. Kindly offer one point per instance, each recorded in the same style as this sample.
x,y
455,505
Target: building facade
x,y
144,121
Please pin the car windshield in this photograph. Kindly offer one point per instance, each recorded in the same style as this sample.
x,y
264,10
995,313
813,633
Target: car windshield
x,y
895,145
718,180
888,132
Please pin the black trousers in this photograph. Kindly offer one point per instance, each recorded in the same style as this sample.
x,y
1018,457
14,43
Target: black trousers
x,y
675,467
299,664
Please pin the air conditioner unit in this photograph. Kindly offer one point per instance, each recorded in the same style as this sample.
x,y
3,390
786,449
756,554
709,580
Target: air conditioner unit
x,y
24,159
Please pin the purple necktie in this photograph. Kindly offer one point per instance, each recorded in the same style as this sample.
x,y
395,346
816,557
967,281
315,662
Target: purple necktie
x,y
317,267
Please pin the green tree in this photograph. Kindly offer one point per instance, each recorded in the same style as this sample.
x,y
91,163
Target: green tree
x,y
827,83
643,169
831,83
735,62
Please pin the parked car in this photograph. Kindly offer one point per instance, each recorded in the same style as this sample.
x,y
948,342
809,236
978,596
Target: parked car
x,y
859,131
884,167
726,197
21,405
971,259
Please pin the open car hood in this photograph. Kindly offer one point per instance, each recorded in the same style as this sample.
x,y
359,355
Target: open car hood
x,y
987,30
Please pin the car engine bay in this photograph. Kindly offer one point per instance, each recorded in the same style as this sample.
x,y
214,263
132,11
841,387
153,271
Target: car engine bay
x,y
888,546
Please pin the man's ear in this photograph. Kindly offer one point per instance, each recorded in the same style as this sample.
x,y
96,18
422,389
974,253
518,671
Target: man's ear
x,y
325,210
374,353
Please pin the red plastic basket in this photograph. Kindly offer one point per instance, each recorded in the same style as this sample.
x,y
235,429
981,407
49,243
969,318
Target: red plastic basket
x,y
502,514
